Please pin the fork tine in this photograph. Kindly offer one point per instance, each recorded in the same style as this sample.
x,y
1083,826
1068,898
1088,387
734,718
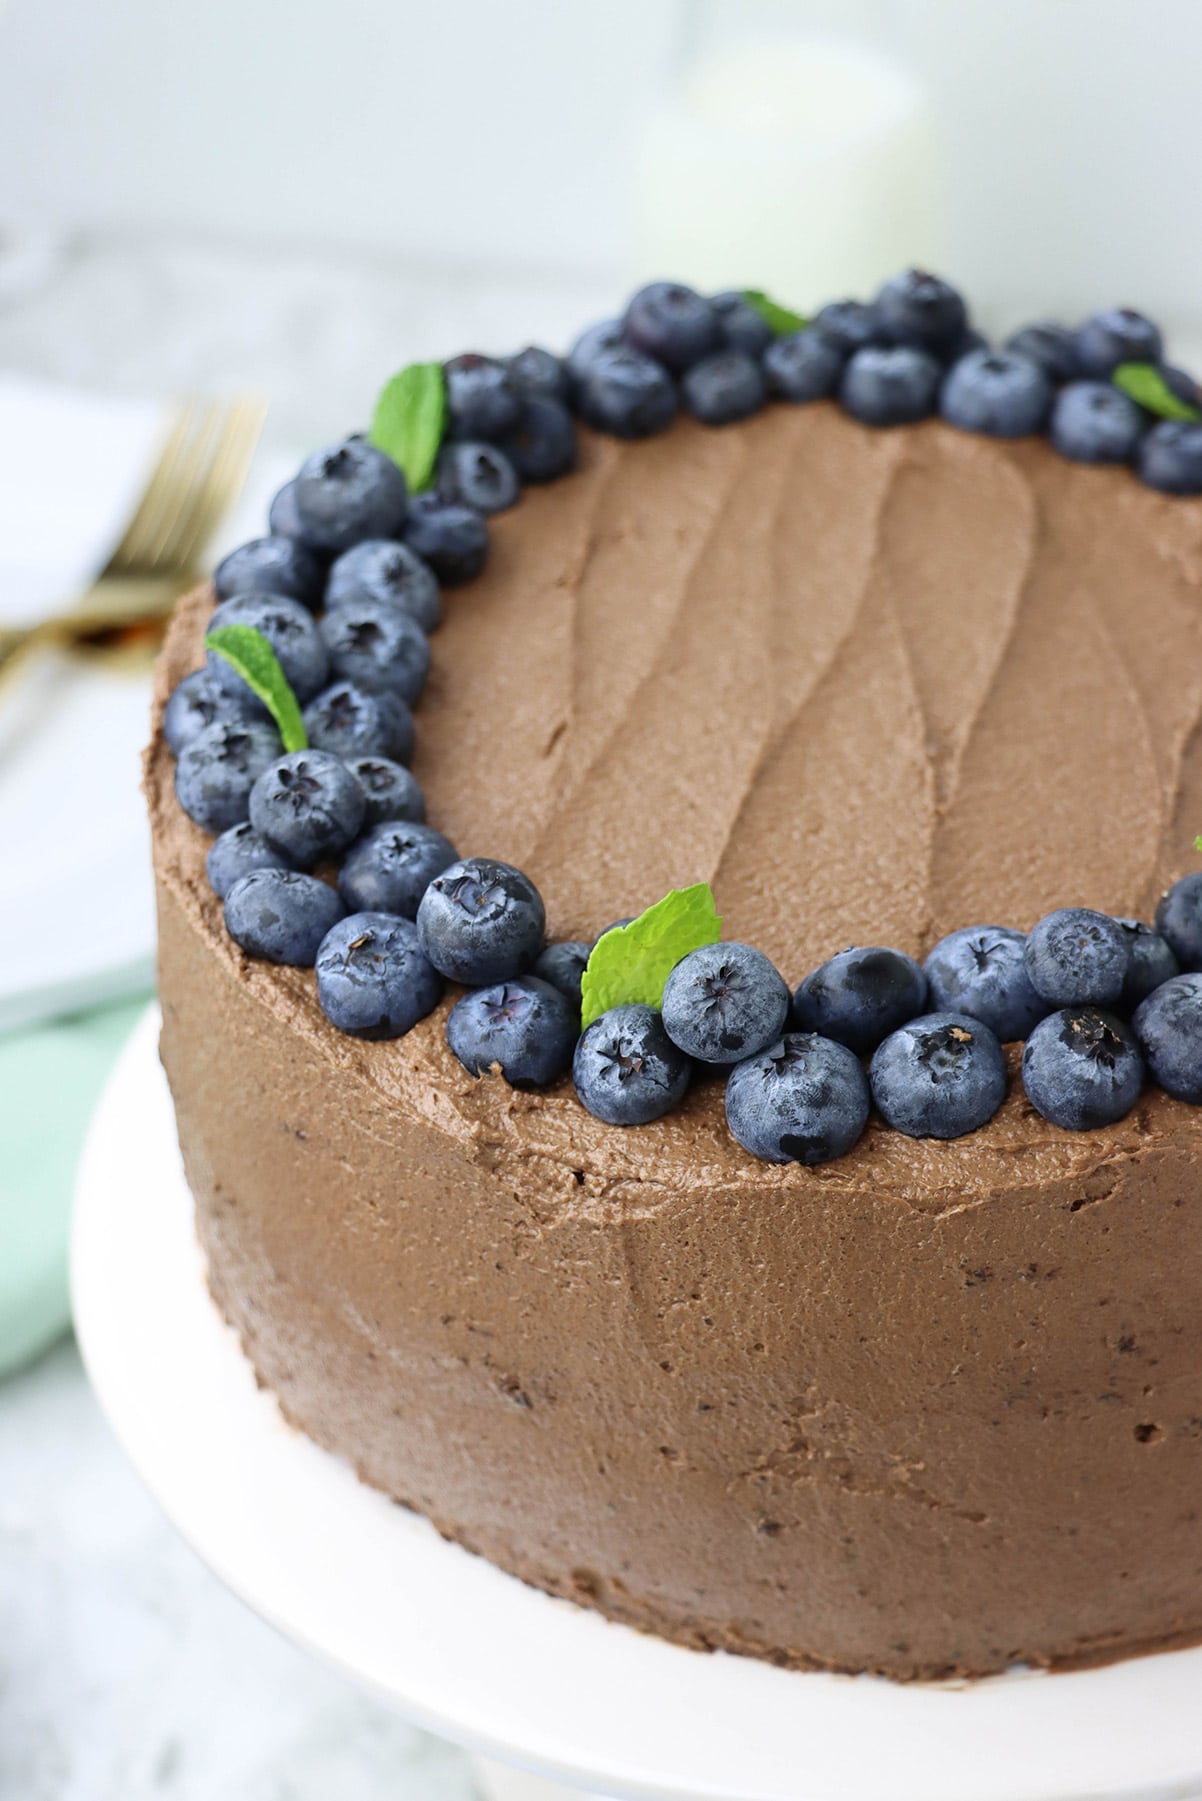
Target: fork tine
x,y
131,550
188,475
223,480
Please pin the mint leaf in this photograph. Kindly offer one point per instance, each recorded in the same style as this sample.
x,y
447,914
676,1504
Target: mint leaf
x,y
409,419
781,318
1198,843
1145,384
632,963
248,652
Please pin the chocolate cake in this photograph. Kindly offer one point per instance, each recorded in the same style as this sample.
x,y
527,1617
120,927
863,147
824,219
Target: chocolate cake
x,y
931,1407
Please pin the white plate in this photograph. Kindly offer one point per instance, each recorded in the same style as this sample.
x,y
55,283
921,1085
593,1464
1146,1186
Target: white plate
x,y
474,1654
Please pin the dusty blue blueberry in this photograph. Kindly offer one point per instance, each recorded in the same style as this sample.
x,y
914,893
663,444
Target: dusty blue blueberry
x,y
1052,346
275,565
1076,957
890,385
1168,1026
377,647
1082,1068
478,474
372,979
391,791
481,921
217,769
939,1076
538,374
383,569
281,916
391,866
1170,457
1179,920
672,323
626,393
967,344
348,492
998,392
351,723
199,701
725,1002
921,309
626,1069
981,970
292,633
239,850
1117,335
605,335
451,537
1150,961
563,964
283,520
803,365
802,1100
525,1027
741,326
725,386
542,445
1094,422
309,805
849,325
859,996
1181,383
483,398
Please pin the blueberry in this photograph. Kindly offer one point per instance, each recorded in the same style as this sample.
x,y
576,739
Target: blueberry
x,y
741,325
1082,1069
803,365
890,385
218,768
1150,962
481,921
1168,1026
382,569
450,537
391,866
309,805
616,925
626,1069
292,633
997,392
283,520
1076,957
391,791
239,850
626,393
563,964
281,916
1170,457
725,1002
922,310
199,701
1116,336
477,474
1052,346
482,397
351,723
803,1100
672,323
849,325
1094,422
860,996
372,979
275,565
1179,920
967,344
1181,383
538,374
524,1027
542,445
606,335
725,386
377,647
939,1076
349,492
982,971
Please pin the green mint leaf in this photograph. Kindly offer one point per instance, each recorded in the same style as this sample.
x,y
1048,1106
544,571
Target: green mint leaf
x,y
1198,843
248,652
632,963
1145,384
409,419
781,318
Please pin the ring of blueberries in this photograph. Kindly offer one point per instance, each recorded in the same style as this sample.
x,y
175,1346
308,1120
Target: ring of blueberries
x,y
346,589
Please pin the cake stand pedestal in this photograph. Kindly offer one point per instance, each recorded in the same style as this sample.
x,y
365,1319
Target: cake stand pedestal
x,y
476,1656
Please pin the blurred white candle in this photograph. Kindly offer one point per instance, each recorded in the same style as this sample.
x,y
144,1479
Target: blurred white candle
x,y
805,167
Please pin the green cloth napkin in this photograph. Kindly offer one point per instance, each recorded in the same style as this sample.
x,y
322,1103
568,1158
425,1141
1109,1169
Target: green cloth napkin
x,y
50,1078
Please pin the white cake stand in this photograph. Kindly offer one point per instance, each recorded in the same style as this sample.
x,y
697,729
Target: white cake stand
x,y
475,1655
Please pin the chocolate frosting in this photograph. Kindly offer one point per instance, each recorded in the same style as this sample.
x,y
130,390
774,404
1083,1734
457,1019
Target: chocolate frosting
x,y
930,1408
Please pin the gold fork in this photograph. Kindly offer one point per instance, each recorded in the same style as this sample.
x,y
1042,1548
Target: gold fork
x,y
199,474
